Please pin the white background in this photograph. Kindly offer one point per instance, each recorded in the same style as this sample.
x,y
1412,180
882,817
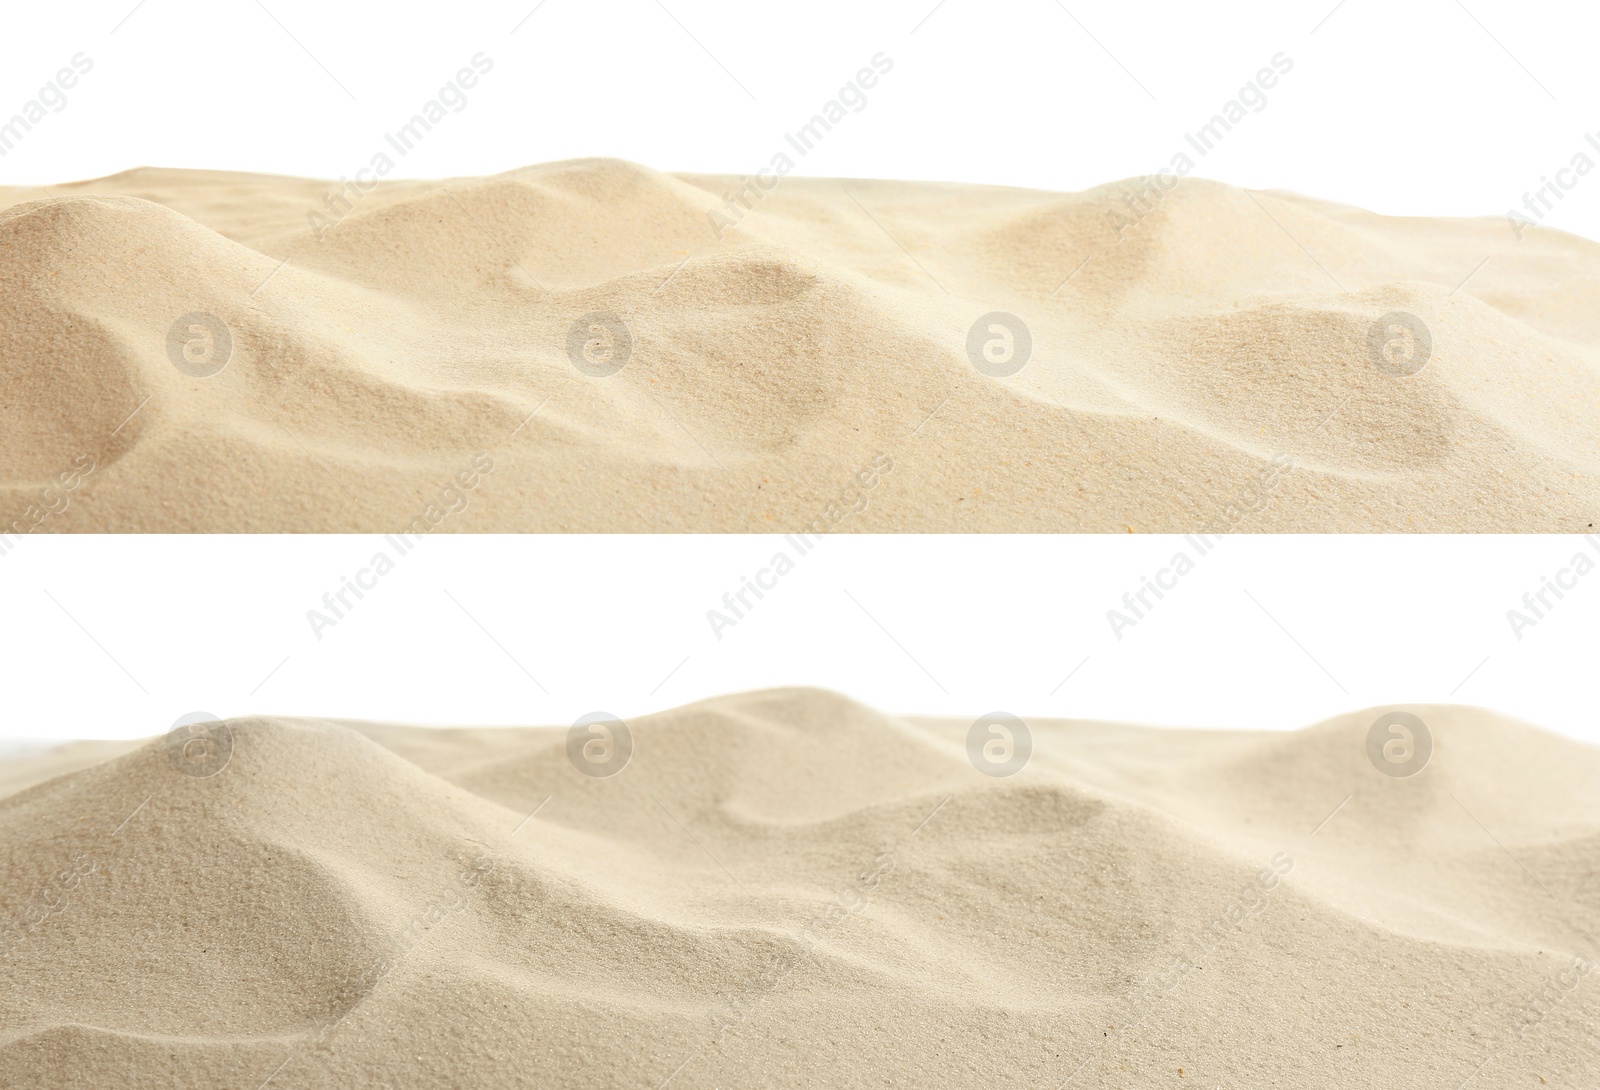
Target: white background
x,y
108,637
1443,107
1424,106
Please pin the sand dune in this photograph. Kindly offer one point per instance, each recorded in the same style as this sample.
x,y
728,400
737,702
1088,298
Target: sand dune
x,y
444,356
789,889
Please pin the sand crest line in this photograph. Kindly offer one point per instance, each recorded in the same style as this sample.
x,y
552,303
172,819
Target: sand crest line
x,y
1107,380
1109,881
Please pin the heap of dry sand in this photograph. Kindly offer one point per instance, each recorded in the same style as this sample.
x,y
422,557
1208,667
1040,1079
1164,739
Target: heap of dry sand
x,y
789,889
594,345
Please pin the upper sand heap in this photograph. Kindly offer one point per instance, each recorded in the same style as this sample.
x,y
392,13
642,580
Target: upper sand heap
x,y
787,889
202,351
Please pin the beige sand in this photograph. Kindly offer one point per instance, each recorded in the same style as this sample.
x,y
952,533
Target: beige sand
x,y
789,889
1201,358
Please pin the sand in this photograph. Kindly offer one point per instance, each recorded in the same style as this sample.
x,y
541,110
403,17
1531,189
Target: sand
x,y
787,888
597,346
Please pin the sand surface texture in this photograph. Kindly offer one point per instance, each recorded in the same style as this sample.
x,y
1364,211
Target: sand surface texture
x,y
204,351
789,889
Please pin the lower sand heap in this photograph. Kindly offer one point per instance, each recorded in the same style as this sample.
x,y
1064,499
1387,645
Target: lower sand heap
x,y
787,889
594,345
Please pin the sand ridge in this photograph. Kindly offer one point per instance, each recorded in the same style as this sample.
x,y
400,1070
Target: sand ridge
x,y
1020,360
787,888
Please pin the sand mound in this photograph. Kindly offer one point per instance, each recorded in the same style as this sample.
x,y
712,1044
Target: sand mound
x,y
789,889
205,351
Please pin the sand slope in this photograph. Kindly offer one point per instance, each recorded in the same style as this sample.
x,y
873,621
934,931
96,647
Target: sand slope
x,y
1207,363
788,889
